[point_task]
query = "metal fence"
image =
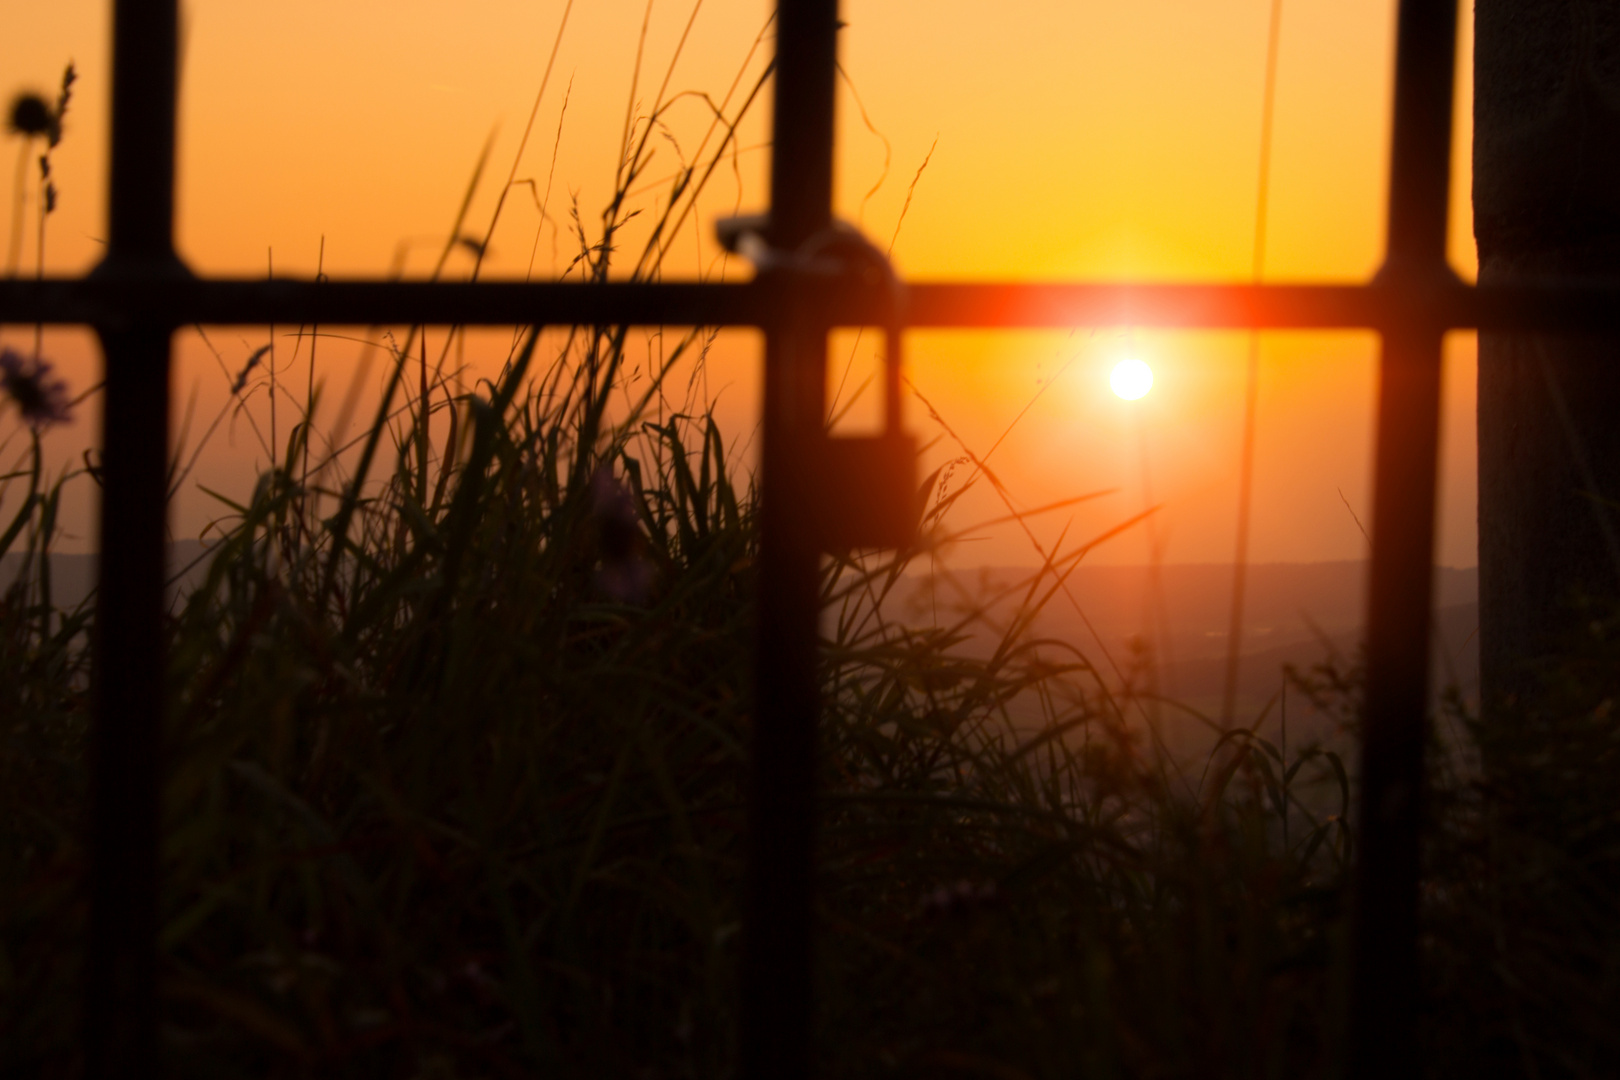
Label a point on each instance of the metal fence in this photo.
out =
(141, 292)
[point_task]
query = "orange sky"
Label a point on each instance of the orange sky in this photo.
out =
(1073, 140)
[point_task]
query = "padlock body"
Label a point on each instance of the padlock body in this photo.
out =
(866, 492)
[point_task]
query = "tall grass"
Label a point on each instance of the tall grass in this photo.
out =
(446, 797)
(456, 753)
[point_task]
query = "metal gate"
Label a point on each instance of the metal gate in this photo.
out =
(141, 292)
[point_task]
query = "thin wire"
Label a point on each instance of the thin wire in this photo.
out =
(1240, 567)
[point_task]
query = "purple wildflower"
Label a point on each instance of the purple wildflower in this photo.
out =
(40, 396)
(625, 575)
(960, 898)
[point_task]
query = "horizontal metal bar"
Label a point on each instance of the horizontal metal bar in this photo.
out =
(181, 302)
(1443, 304)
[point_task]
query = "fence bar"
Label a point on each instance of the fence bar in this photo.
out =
(1572, 307)
(120, 1033)
(777, 1008)
(121, 1015)
(140, 191)
(1386, 991)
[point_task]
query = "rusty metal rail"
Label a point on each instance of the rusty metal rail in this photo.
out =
(141, 293)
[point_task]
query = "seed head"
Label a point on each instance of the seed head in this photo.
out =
(62, 99)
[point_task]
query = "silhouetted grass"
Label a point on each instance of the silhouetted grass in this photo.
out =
(455, 784)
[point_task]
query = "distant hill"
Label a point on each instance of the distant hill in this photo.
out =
(74, 576)
(1294, 613)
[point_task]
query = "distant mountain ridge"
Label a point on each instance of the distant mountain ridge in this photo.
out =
(1293, 613)
(73, 576)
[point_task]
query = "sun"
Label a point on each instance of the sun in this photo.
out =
(1131, 379)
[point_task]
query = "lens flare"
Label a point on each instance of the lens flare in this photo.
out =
(1131, 379)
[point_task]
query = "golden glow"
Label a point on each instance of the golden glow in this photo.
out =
(343, 135)
(1132, 378)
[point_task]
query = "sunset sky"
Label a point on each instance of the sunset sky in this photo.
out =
(1070, 140)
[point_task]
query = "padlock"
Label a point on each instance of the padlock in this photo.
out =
(864, 488)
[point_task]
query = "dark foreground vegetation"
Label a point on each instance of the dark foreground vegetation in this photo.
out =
(455, 779)
(456, 757)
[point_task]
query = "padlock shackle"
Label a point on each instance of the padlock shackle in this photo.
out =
(840, 250)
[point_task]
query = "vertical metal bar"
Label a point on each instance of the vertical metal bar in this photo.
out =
(140, 201)
(1385, 994)
(777, 1000)
(120, 1034)
(1420, 152)
(121, 1013)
